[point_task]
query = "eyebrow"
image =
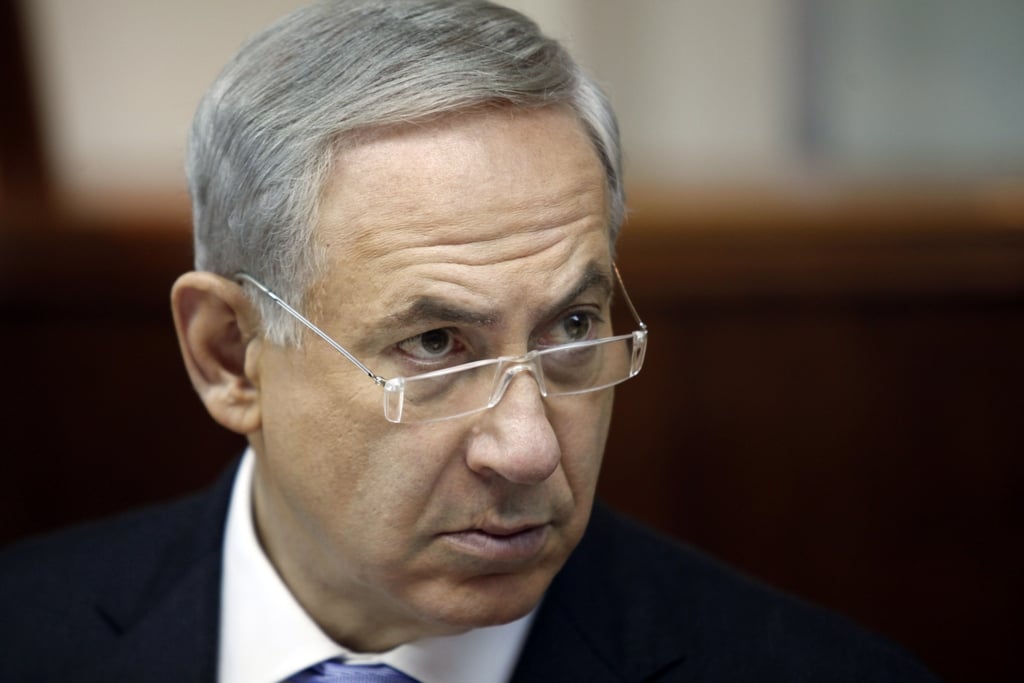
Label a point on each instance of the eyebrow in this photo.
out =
(429, 309)
(594, 277)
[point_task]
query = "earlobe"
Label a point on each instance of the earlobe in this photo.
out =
(216, 329)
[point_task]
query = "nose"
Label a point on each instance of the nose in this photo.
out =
(515, 440)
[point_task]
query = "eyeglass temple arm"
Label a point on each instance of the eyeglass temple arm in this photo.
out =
(625, 296)
(312, 328)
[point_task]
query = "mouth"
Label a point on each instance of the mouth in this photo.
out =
(500, 544)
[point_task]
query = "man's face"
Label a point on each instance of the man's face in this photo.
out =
(474, 237)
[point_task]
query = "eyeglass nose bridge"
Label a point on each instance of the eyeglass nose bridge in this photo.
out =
(509, 368)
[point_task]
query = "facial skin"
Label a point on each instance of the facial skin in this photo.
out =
(474, 229)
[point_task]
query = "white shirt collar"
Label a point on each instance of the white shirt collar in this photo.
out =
(266, 636)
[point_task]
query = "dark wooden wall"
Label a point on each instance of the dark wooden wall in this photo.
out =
(831, 401)
(835, 407)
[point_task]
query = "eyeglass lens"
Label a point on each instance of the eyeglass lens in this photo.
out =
(560, 371)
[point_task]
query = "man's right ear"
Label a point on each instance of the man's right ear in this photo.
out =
(216, 328)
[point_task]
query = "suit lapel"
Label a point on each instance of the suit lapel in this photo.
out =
(557, 650)
(600, 620)
(165, 609)
(176, 639)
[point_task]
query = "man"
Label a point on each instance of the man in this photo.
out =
(405, 219)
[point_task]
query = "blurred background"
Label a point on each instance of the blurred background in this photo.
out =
(826, 238)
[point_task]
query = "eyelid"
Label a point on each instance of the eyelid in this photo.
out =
(460, 349)
(596, 310)
(592, 311)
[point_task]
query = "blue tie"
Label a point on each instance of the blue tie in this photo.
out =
(335, 671)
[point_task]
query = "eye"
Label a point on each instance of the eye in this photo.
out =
(434, 345)
(577, 326)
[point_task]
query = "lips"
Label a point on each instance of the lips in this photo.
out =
(500, 544)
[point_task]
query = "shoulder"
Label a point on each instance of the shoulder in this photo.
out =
(68, 597)
(90, 553)
(721, 624)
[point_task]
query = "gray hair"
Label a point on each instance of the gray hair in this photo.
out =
(263, 139)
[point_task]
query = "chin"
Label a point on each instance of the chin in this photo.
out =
(492, 600)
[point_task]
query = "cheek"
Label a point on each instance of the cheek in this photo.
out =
(321, 439)
(582, 431)
(405, 470)
(385, 523)
(375, 481)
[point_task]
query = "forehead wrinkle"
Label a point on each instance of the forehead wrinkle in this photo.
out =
(418, 237)
(404, 221)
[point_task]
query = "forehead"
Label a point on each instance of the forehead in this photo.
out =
(463, 206)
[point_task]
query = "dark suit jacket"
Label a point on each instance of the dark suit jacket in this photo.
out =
(137, 599)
